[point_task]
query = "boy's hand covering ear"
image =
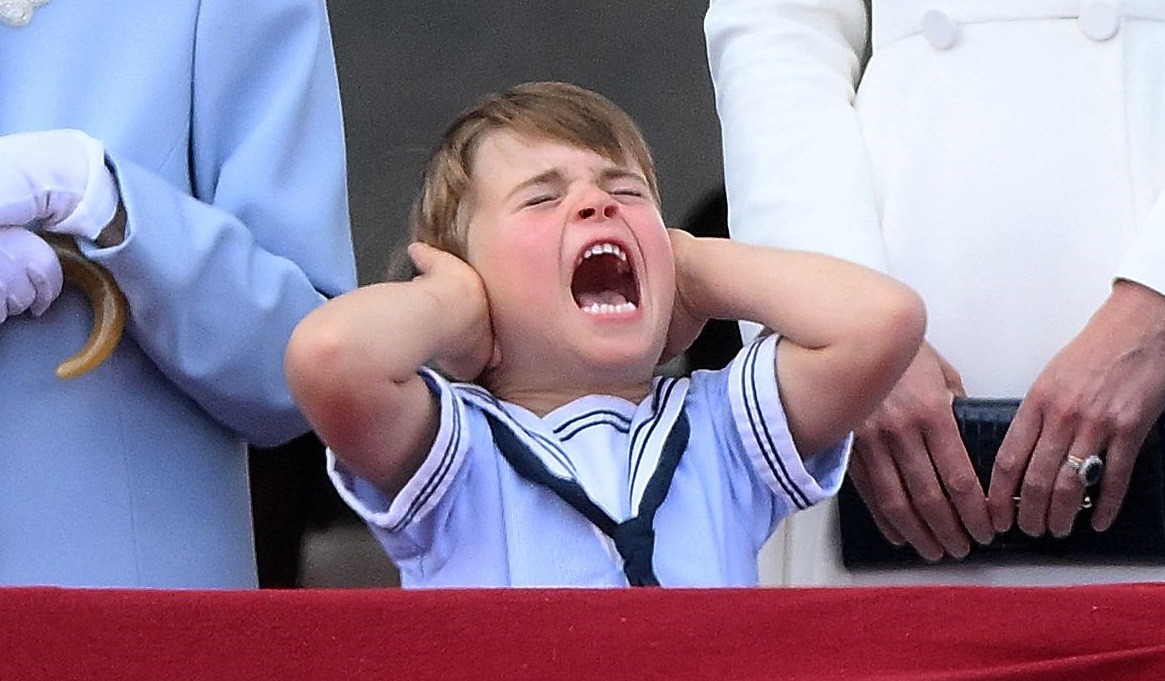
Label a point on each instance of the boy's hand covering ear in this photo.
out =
(30, 274)
(686, 320)
(56, 181)
(458, 290)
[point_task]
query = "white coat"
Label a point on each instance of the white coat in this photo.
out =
(1003, 157)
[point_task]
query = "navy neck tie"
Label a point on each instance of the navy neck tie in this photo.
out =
(635, 537)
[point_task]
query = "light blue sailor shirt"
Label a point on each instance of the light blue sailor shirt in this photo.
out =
(467, 519)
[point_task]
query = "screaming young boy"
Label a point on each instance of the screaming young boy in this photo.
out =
(496, 420)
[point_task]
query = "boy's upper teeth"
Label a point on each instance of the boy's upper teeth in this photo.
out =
(600, 249)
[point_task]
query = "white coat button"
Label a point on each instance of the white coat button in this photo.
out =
(940, 29)
(1099, 20)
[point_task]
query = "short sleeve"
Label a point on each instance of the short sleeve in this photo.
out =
(763, 429)
(405, 524)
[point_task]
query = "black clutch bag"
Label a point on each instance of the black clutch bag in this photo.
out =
(1138, 533)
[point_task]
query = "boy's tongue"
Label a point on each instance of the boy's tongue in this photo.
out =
(600, 297)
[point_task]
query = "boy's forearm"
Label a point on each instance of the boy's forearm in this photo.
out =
(352, 366)
(851, 330)
(389, 331)
(812, 300)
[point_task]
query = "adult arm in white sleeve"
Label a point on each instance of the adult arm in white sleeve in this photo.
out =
(798, 176)
(795, 167)
(1101, 393)
(1104, 390)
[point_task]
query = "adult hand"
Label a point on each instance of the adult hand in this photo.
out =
(30, 274)
(56, 180)
(911, 468)
(459, 289)
(1101, 392)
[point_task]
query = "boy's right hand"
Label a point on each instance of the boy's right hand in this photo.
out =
(459, 292)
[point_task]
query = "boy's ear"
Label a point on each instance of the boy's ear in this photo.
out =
(400, 265)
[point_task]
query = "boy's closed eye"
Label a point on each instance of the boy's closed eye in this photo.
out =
(539, 199)
(625, 185)
(630, 192)
(633, 192)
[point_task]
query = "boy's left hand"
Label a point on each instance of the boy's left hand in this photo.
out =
(686, 320)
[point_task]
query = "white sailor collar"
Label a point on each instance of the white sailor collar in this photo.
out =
(648, 424)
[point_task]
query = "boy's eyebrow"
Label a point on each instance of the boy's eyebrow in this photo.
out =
(617, 173)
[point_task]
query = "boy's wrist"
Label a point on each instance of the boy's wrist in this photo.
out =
(685, 255)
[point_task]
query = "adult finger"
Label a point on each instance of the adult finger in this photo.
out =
(951, 376)
(927, 496)
(887, 493)
(1068, 491)
(959, 479)
(860, 477)
(1118, 469)
(1010, 465)
(1035, 494)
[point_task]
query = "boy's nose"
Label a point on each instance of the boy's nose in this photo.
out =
(594, 207)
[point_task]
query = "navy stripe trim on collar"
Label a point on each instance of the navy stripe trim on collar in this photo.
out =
(547, 444)
(620, 424)
(592, 418)
(587, 414)
(663, 392)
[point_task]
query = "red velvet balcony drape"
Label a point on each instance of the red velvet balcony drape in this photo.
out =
(980, 633)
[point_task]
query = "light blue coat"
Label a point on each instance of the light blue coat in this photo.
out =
(222, 122)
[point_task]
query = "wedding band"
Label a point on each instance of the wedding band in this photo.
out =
(1085, 503)
(1088, 471)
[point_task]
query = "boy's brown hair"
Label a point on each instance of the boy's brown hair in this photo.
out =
(556, 111)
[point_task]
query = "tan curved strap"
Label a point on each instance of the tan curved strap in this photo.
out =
(106, 299)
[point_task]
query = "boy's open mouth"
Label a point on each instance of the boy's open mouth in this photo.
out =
(603, 281)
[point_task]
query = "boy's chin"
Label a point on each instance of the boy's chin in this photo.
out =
(607, 360)
(620, 362)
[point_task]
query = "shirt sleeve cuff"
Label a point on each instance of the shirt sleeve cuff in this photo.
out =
(764, 431)
(423, 492)
(1144, 261)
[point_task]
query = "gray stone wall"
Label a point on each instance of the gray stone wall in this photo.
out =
(407, 67)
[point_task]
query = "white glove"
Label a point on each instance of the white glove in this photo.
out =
(57, 181)
(30, 273)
